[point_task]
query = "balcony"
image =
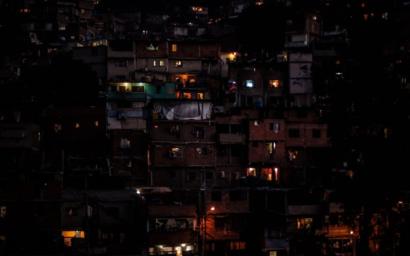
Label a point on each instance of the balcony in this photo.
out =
(125, 96)
(229, 138)
(338, 231)
(120, 54)
(313, 209)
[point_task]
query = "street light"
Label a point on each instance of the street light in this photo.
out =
(211, 209)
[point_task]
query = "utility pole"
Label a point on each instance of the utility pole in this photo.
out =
(86, 224)
(202, 206)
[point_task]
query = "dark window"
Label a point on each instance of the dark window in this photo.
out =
(236, 150)
(172, 174)
(222, 128)
(237, 195)
(41, 210)
(191, 176)
(220, 223)
(232, 98)
(275, 127)
(198, 132)
(175, 130)
(254, 144)
(316, 133)
(202, 151)
(221, 149)
(302, 113)
(121, 63)
(124, 104)
(294, 133)
(276, 201)
(72, 211)
(209, 175)
(235, 128)
(94, 51)
(137, 89)
(249, 101)
(220, 174)
(216, 196)
(112, 211)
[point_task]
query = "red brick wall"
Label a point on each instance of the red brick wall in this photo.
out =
(162, 131)
(189, 155)
(258, 153)
(142, 52)
(262, 130)
(306, 137)
(184, 50)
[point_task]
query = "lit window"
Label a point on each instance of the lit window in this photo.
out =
(57, 128)
(3, 211)
(191, 80)
(232, 56)
(274, 83)
(197, 8)
(276, 173)
(232, 86)
(152, 47)
(77, 125)
(125, 143)
(273, 253)
(175, 152)
(251, 171)
(178, 63)
(174, 48)
(249, 84)
(25, 10)
(96, 123)
(70, 234)
(237, 245)
(124, 87)
(200, 95)
(304, 223)
(266, 174)
(161, 63)
(256, 123)
(270, 148)
(187, 95)
(154, 63)
(293, 154)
